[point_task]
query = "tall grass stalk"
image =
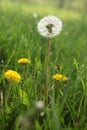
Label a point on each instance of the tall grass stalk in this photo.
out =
(1, 98)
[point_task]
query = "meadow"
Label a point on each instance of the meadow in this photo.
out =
(66, 108)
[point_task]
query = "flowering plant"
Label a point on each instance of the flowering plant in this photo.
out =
(12, 76)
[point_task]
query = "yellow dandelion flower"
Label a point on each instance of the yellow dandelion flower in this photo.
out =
(24, 61)
(60, 77)
(12, 76)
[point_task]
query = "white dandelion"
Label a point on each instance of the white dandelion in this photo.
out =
(40, 105)
(49, 26)
(35, 15)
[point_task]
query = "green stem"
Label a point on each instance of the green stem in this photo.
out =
(47, 71)
(8, 94)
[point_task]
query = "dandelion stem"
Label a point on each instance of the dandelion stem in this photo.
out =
(47, 71)
(8, 94)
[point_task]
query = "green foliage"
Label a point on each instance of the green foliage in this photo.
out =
(67, 104)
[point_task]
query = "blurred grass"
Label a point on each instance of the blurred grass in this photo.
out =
(46, 9)
(19, 38)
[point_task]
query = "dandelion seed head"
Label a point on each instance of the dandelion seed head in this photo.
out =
(35, 15)
(40, 105)
(42, 114)
(49, 26)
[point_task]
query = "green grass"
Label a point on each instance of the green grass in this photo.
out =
(19, 38)
(25, 8)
